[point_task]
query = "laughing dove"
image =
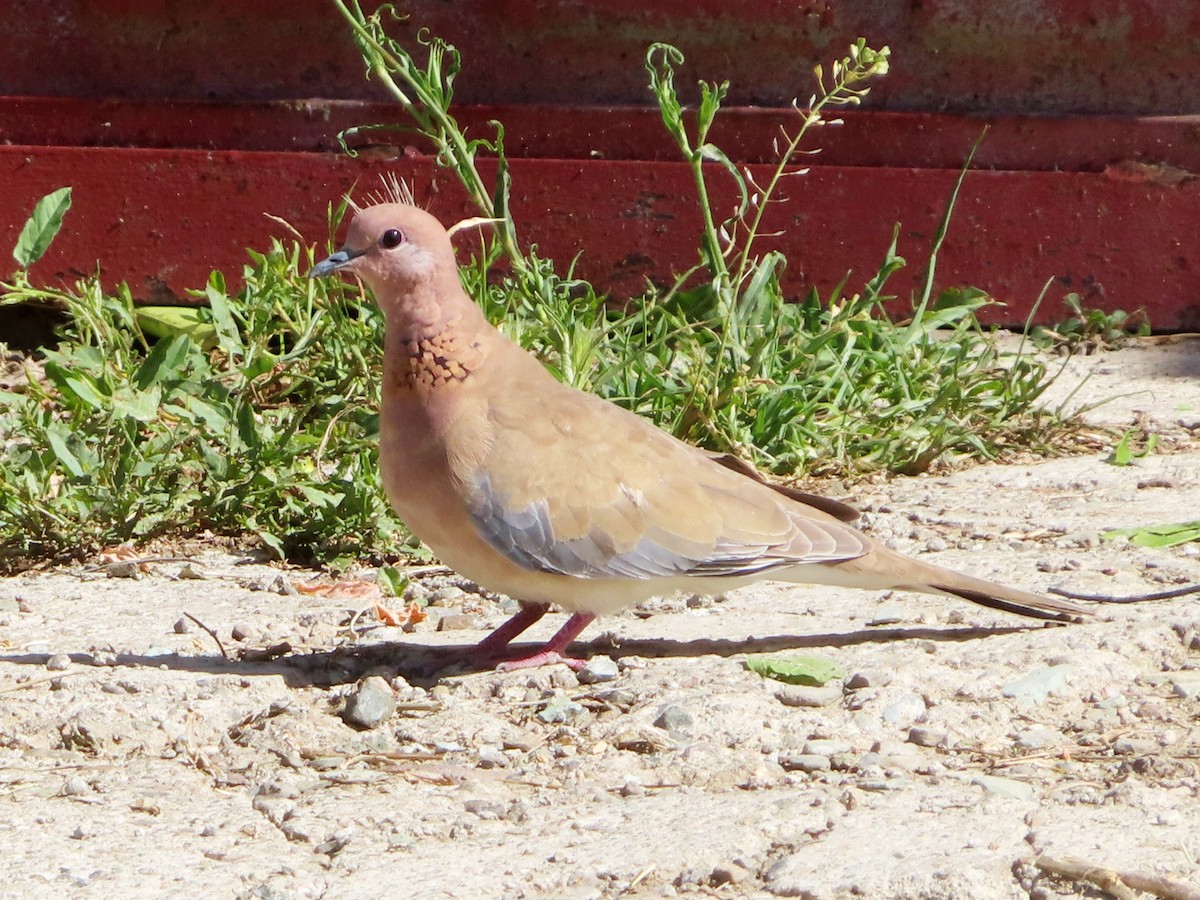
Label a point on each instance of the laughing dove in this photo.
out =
(554, 496)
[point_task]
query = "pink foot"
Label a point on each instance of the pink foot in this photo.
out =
(555, 650)
(544, 658)
(497, 642)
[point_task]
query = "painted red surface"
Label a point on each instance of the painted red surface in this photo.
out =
(1045, 57)
(181, 125)
(174, 215)
(865, 138)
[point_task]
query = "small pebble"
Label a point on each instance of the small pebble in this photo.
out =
(1035, 738)
(886, 617)
(491, 758)
(926, 737)
(371, 705)
(806, 762)
(1004, 787)
(240, 632)
(826, 747)
(728, 873)
(76, 786)
(447, 596)
(879, 785)
(326, 763)
(559, 710)
(1038, 684)
(676, 721)
(844, 762)
(59, 662)
(1169, 817)
(1186, 685)
(802, 695)
(1128, 746)
(868, 678)
(283, 585)
(182, 625)
(333, 845)
(598, 669)
(399, 840)
(632, 788)
(904, 710)
(455, 622)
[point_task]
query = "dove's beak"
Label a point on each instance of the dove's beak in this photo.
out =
(335, 261)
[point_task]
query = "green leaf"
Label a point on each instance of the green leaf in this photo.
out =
(164, 363)
(201, 412)
(228, 336)
(139, 405)
(318, 497)
(170, 321)
(42, 227)
(1158, 535)
(811, 670)
(261, 364)
(391, 582)
(1123, 454)
(274, 543)
(58, 438)
(75, 385)
(247, 427)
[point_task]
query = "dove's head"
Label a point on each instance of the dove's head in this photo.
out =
(397, 249)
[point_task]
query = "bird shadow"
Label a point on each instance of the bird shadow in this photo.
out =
(424, 665)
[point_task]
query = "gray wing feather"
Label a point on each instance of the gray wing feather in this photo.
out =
(526, 536)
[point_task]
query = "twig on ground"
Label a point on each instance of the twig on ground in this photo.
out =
(36, 681)
(354, 621)
(424, 571)
(265, 654)
(211, 633)
(1134, 598)
(638, 879)
(1122, 885)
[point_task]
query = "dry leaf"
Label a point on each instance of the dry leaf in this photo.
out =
(399, 618)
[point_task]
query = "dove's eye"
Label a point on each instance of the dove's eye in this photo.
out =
(393, 237)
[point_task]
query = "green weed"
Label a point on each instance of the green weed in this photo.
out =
(1087, 330)
(1158, 535)
(271, 431)
(1124, 454)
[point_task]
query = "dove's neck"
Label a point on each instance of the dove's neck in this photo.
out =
(435, 339)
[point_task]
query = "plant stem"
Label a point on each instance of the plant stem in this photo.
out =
(434, 122)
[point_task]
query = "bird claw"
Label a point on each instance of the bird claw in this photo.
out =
(544, 658)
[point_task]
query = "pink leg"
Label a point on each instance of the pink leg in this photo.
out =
(555, 649)
(494, 643)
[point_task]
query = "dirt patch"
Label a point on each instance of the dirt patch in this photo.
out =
(136, 760)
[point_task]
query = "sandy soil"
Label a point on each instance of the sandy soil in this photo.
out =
(136, 760)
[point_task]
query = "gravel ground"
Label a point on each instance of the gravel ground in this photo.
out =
(327, 756)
